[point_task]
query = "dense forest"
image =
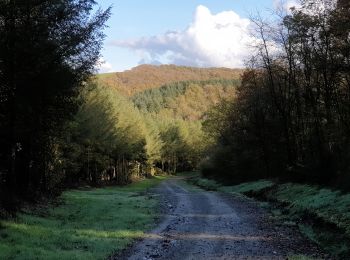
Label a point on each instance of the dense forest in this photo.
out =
(62, 126)
(286, 116)
(90, 162)
(47, 51)
(117, 138)
(290, 116)
(146, 76)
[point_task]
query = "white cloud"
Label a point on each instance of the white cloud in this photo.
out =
(211, 40)
(104, 66)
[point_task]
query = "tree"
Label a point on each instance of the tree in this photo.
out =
(291, 114)
(48, 49)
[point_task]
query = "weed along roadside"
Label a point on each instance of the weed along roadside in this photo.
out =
(321, 214)
(88, 224)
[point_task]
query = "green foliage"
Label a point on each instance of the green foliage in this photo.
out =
(245, 188)
(175, 111)
(327, 205)
(144, 77)
(48, 49)
(111, 138)
(330, 206)
(159, 132)
(154, 100)
(290, 115)
(109, 119)
(59, 127)
(183, 144)
(88, 224)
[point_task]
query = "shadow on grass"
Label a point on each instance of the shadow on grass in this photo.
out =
(88, 225)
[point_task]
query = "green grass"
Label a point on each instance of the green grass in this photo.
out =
(206, 184)
(248, 187)
(328, 210)
(243, 188)
(328, 205)
(89, 224)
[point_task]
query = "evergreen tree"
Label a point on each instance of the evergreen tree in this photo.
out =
(48, 49)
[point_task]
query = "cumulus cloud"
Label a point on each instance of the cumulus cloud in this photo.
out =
(211, 40)
(104, 66)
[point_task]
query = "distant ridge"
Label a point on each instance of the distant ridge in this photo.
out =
(145, 77)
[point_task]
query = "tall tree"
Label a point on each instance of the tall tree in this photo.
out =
(291, 114)
(47, 51)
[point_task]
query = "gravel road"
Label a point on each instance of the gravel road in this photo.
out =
(200, 224)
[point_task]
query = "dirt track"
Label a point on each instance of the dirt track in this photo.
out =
(199, 224)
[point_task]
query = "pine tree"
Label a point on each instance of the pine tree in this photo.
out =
(47, 50)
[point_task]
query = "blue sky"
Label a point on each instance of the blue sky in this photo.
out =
(156, 31)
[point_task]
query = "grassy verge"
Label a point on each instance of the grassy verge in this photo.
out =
(321, 214)
(89, 224)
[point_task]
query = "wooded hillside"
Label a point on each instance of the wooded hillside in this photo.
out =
(157, 129)
(149, 76)
(188, 100)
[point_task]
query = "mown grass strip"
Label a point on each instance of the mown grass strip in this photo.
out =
(89, 224)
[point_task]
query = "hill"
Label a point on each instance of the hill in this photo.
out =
(153, 114)
(187, 100)
(145, 77)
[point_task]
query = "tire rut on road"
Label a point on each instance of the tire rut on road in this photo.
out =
(199, 224)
